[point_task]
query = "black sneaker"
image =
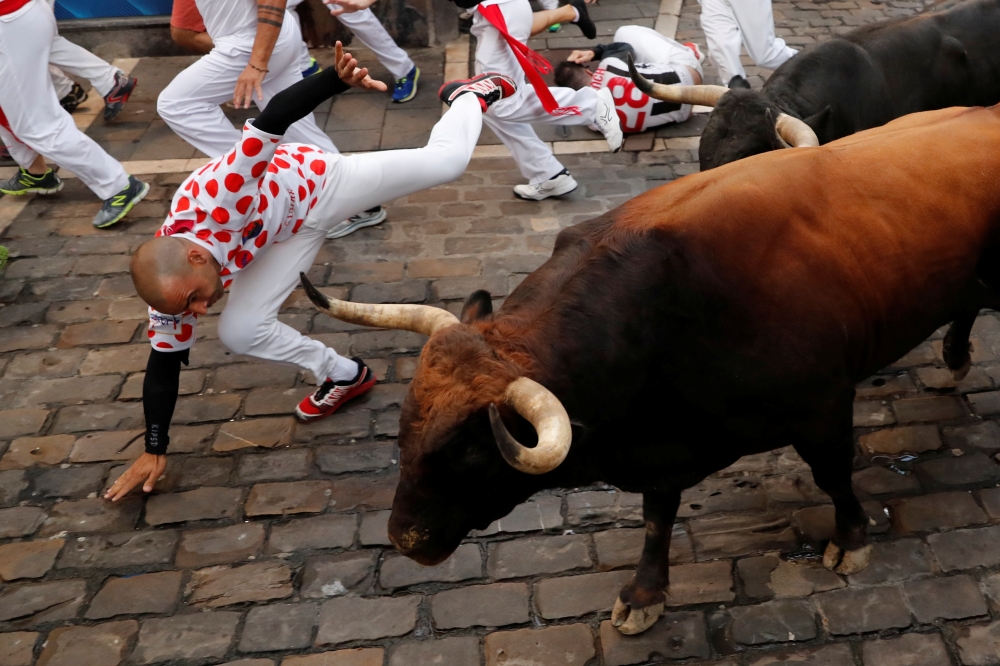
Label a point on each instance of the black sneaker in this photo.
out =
(489, 87)
(25, 183)
(115, 100)
(118, 206)
(76, 96)
(585, 24)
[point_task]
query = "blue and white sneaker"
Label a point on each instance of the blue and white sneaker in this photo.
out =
(406, 87)
(368, 218)
(313, 68)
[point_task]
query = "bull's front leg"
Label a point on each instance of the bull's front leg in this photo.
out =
(642, 600)
(956, 346)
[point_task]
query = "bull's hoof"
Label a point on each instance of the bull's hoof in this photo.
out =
(960, 373)
(630, 621)
(846, 563)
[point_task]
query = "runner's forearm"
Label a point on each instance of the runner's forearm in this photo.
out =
(270, 16)
(298, 101)
(159, 396)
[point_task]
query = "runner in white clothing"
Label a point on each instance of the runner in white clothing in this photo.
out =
(256, 54)
(657, 57)
(254, 219)
(730, 23)
(33, 124)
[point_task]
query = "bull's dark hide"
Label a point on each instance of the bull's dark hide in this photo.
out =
(866, 78)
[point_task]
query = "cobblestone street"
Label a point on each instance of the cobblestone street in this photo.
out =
(265, 544)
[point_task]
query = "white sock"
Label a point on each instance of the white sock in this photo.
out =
(344, 371)
(577, 12)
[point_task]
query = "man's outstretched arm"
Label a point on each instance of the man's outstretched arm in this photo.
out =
(159, 397)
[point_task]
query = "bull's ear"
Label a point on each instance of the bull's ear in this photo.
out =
(479, 305)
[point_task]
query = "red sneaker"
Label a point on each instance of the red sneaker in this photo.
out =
(329, 397)
(489, 87)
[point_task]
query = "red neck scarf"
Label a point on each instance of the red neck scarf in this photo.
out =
(533, 64)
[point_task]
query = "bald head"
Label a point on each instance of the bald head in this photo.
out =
(173, 275)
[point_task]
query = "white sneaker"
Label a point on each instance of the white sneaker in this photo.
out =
(369, 218)
(607, 120)
(563, 183)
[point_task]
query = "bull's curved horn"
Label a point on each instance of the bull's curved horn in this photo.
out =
(794, 132)
(678, 94)
(543, 410)
(417, 318)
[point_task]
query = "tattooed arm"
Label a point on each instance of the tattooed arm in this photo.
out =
(270, 16)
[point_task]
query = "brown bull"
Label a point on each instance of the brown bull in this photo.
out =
(752, 298)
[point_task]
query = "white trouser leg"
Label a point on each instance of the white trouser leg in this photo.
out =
(62, 83)
(366, 26)
(756, 21)
(80, 62)
(358, 182)
(304, 58)
(249, 324)
(190, 104)
(29, 101)
(533, 156)
(652, 47)
(548, 4)
(20, 153)
(722, 33)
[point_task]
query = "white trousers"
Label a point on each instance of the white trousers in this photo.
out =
(730, 23)
(367, 28)
(653, 48)
(73, 59)
(249, 323)
(509, 118)
(29, 101)
(190, 104)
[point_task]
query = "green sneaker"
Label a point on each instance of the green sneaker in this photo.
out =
(555, 27)
(118, 206)
(25, 183)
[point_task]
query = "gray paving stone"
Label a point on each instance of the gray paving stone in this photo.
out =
(354, 618)
(329, 531)
(855, 611)
(190, 636)
(951, 598)
(493, 605)
(145, 593)
(464, 564)
(907, 650)
(336, 575)
(774, 622)
(278, 627)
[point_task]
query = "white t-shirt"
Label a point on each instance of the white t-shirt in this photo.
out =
(237, 206)
(637, 111)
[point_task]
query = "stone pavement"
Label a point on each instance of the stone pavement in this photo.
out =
(265, 543)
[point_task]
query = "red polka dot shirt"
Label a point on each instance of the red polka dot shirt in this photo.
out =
(236, 206)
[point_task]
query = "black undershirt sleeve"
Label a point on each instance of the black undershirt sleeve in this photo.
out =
(613, 50)
(159, 396)
(297, 101)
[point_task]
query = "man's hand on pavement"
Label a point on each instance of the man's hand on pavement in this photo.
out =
(249, 81)
(351, 74)
(145, 470)
(348, 6)
(581, 57)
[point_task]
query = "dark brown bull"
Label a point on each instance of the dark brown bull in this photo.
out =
(725, 314)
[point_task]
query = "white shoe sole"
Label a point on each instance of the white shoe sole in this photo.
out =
(361, 224)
